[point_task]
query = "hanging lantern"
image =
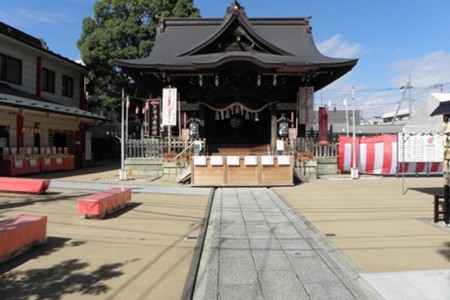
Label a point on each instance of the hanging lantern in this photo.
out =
(283, 129)
(256, 117)
(194, 129)
(137, 110)
(227, 114)
(236, 109)
(217, 117)
(221, 115)
(247, 115)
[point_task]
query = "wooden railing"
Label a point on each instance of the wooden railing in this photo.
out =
(155, 148)
(311, 145)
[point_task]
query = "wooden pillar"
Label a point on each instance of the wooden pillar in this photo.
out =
(273, 127)
(446, 204)
(79, 145)
(20, 121)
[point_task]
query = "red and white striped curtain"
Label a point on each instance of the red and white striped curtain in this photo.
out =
(378, 155)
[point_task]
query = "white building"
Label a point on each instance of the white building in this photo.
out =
(401, 117)
(42, 97)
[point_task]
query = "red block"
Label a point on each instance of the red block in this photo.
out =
(21, 231)
(103, 202)
(24, 185)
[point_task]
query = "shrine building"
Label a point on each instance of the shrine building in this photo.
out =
(239, 82)
(238, 75)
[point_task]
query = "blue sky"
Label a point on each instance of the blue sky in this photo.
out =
(392, 39)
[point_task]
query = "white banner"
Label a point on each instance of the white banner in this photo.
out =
(306, 109)
(169, 107)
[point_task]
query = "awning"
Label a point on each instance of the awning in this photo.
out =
(50, 107)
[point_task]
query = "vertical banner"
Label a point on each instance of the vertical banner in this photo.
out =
(293, 137)
(155, 117)
(323, 125)
(306, 109)
(169, 107)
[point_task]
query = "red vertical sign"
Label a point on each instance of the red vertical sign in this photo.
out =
(323, 126)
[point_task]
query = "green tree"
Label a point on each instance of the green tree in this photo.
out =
(122, 29)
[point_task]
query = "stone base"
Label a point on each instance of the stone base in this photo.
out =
(151, 167)
(307, 168)
(327, 166)
(172, 168)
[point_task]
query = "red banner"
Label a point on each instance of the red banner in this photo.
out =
(323, 126)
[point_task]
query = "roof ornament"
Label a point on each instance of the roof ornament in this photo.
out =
(235, 8)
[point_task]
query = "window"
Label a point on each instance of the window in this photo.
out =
(67, 86)
(48, 81)
(10, 69)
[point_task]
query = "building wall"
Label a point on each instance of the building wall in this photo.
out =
(29, 55)
(33, 60)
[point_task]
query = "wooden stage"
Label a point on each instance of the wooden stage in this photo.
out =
(237, 170)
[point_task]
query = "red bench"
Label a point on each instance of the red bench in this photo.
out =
(105, 202)
(21, 233)
(24, 185)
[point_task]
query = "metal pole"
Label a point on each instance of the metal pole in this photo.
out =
(346, 114)
(122, 173)
(126, 121)
(354, 171)
(403, 163)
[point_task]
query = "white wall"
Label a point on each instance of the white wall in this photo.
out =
(28, 55)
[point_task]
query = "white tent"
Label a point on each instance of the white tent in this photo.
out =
(422, 122)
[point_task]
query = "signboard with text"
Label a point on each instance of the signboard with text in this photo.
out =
(420, 148)
(169, 107)
(323, 126)
(306, 107)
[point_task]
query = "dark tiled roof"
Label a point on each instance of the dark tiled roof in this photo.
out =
(287, 44)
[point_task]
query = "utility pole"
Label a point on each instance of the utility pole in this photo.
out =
(346, 114)
(409, 97)
(405, 87)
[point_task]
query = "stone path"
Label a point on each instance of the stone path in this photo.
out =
(257, 247)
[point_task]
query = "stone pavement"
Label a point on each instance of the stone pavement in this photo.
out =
(260, 248)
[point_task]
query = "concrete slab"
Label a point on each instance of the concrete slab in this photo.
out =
(414, 285)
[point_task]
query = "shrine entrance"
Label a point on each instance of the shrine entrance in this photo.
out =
(239, 127)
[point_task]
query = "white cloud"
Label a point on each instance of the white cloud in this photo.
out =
(46, 17)
(336, 47)
(425, 71)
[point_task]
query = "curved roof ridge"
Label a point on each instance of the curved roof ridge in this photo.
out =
(235, 13)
